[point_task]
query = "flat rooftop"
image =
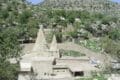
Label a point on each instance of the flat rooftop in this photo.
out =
(83, 67)
(75, 58)
(39, 58)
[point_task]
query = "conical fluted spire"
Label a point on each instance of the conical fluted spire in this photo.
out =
(40, 43)
(53, 46)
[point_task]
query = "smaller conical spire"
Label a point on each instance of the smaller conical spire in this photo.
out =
(53, 46)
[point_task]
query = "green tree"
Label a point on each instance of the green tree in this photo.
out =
(4, 13)
(111, 47)
(9, 45)
(9, 48)
(23, 18)
(8, 71)
(32, 27)
(115, 34)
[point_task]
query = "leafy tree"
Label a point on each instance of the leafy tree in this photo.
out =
(9, 48)
(108, 19)
(8, 71)
(4, 13)
(71, 16)
(9, 45)
(23, 18)
(59, 36)
(115, 34)
(32, 28)
(111, 47)
(73, 34)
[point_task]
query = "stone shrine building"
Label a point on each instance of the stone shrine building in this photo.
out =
(45, 63)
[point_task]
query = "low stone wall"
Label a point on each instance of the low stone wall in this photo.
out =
(58, 79)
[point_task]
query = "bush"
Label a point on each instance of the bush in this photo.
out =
(111, 47)
(8, 71)
(92, 45)
(115, 34)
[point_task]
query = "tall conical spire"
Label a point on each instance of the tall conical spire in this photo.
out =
(53, 46)
(40, 43)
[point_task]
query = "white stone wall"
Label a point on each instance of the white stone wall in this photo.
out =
(70, 61)
(42, 68)
(23, 77)
(62, 72)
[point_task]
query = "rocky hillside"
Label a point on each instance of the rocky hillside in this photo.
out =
(103, 6)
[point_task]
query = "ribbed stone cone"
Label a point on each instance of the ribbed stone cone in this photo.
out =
(53, 46)
(40, 44)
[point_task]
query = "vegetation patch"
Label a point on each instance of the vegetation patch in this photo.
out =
(92, 45)
(95, 76)
(71, 53)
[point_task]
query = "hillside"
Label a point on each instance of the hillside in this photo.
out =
(77, 24)
(102, 6)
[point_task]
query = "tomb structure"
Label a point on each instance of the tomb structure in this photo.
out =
(45, 63)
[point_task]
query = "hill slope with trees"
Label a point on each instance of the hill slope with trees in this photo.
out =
(101, 6)
(20, 21)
